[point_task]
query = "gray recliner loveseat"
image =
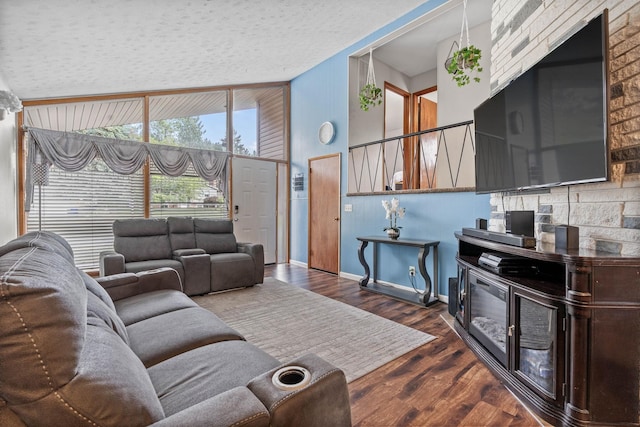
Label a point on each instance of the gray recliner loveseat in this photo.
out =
(204, 252)
(134, 350)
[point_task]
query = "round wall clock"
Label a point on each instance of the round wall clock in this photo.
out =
(326, 133)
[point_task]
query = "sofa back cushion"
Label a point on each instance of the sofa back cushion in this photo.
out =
(56, 358)
(100, 305)
(41, 239)
(215, 236)
(141, 239)
(181, 233)
(97, 289)
(98, 309)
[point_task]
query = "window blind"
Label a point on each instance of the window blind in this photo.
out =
(81, 206)
(186, 195)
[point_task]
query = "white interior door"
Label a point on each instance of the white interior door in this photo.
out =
(253, 195)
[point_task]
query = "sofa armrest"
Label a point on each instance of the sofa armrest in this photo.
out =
(186, 252)
(116, 280)
(125, 285)
(324, 401)
(257, 253)
(197, 272)
(111, 263)
(235, 407)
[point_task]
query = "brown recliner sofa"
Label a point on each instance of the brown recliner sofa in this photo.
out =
(204, 252)
(137, 351)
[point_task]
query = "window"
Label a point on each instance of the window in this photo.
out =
(195, 120)
(82, 206)
(186, 195)
(259, 122)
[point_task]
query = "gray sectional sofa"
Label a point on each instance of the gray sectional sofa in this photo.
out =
(204, 252)
(134, 350)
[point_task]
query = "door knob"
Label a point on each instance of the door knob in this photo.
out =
(336, 219)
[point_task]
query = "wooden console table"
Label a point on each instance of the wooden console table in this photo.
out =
(425, 299)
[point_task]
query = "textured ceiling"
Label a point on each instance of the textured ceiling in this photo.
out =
(56, 48)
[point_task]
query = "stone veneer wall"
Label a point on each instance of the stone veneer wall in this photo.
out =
(608, 214)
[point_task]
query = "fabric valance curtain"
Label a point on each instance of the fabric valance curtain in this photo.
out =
(72, 152)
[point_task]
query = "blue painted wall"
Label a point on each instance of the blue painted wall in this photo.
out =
(433, 216)
(320, 95)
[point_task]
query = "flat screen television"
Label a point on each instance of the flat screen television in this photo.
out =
(548, 127)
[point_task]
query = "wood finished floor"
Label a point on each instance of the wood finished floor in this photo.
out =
(439, 384)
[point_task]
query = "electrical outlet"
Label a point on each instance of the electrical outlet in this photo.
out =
(412, 270)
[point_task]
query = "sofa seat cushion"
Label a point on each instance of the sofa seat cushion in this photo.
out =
(152, 264)
(150, 304)
(229, 271)
(166, 335)
(199, 374)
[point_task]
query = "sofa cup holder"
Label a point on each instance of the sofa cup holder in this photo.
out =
(291, 378)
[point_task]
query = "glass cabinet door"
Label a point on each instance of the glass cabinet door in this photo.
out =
(487, 302)
(461, 295)
(536, 344)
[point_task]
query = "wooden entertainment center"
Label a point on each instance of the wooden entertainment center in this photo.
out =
(561, 329)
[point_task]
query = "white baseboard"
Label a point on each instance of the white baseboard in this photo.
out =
(356, 277)
(298, 263)
(350, 276)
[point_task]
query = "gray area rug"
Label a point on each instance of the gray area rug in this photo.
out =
(287, 321)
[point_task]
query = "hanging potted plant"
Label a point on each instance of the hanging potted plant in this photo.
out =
(370, 94)
(463, 61)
